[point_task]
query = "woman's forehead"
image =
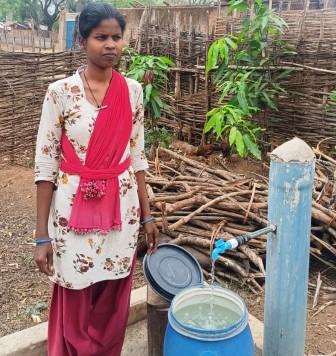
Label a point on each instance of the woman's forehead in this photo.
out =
(108, 26)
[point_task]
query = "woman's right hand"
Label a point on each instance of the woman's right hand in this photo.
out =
(43, 257)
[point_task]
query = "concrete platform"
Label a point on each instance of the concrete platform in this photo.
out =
(136, 338)
(32, 341)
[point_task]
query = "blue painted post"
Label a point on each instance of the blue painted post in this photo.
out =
(290, 200)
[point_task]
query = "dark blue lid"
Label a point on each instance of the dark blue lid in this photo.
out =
(171, 269)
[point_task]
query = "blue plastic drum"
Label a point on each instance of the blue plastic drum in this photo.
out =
(208, 321)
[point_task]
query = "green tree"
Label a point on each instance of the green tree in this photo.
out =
(11, 9)
(245, 75)
(45, 12)
(50, 10)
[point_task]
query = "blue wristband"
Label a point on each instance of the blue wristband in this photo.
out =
(148, 220)
(41, 242)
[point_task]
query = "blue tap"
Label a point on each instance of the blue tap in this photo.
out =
(221, 246)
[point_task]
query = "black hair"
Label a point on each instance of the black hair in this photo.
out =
(94, 13)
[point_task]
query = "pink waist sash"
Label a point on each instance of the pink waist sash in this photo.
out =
(95, 174)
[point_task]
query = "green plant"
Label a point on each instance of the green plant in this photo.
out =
(152, 72)
(246, 76)
(157, 136)
(35, 309)
(230, 121)
(128, 56)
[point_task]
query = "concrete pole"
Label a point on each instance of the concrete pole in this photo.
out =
(290, 201)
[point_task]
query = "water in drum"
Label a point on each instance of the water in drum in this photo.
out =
(207, 315)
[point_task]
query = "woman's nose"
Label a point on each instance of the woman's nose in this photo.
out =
(110, 43)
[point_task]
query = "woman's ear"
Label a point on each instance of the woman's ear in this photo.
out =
(82, 43)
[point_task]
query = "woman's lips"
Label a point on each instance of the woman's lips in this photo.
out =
(110, 56)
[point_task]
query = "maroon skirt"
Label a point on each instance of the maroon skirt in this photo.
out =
(90, 321)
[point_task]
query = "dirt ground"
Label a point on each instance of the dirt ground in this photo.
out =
(24, 293)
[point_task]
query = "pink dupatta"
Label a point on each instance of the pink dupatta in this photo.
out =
(96, 206)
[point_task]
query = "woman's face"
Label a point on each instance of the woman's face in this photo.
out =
(104, 44)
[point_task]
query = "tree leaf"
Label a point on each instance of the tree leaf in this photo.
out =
(239, 143)
(166, 61)
(243, 102)
(279, 22)
(232, 135)
(210, 124)
(268, 100)
(158, 101)
(218, 125)
(224, 52)
(219, 72)
(148, 91)
(212, 112)
(252, 146)
(239, 5)
(232, 44)
(264, 23)
(233, 112)
(210, 61)
(156, 109)
(225, 90)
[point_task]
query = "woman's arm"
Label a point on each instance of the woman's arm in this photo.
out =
(143, 196)
(151, 231)
(140, 164)
(43, 253)
(47, 160)
(44, 195)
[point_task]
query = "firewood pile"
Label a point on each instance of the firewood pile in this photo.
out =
(196, 203)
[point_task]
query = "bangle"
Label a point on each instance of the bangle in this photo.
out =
(147, 220)
(42, 241)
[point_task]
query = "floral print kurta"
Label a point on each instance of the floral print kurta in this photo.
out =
(81, 260)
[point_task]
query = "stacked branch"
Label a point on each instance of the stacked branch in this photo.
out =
(195, 204)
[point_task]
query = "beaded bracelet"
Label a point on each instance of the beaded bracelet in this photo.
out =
(42, 241)
(148, 220)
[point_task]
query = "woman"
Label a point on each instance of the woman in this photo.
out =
(91, 195)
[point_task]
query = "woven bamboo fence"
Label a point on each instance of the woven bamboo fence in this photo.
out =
(25, 76)
(24, 79)
(311, 33)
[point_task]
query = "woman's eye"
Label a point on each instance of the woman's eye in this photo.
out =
(117, 38)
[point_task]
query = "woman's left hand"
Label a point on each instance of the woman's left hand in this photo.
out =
(152, 237)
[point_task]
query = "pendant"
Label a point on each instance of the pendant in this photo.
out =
(101, 107)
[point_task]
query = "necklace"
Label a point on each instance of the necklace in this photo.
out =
(99, 107)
